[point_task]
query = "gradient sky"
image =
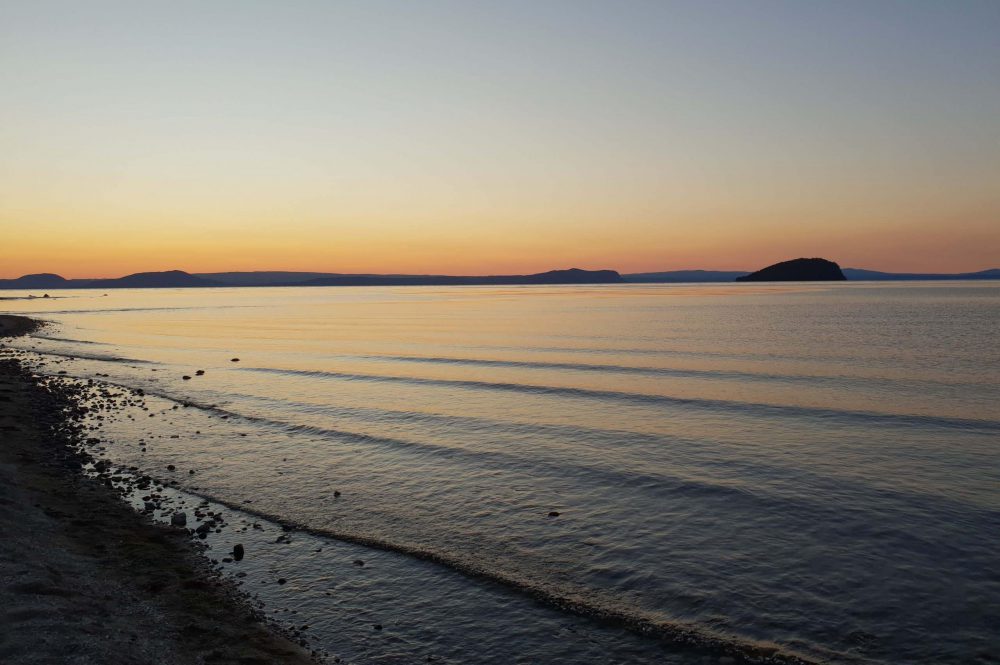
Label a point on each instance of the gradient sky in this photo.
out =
(486, 137)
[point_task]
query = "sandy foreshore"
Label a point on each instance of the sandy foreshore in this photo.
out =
(84, 579)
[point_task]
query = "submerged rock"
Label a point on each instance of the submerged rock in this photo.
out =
(179, 519)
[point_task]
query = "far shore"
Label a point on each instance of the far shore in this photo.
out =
(88, 580)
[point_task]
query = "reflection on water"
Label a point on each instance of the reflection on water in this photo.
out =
(808, 465)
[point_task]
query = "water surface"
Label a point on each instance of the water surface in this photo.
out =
(809, 466)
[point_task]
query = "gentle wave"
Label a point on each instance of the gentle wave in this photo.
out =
(755, 408)
(91, 356)
(811, 379)
(847, 361)
(143, 309)
(666, 484)
(72, 341)
(678, 634)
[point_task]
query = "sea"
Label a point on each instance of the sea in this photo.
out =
(676, 473)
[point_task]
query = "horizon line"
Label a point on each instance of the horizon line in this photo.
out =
(487, 274)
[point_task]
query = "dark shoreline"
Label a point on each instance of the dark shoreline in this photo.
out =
(83, 576)
(15, 326)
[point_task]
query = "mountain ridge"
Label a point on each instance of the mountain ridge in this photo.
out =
(182, 279)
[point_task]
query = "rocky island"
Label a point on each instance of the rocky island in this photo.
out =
(797, 270)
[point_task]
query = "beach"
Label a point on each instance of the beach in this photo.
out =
(83, 577)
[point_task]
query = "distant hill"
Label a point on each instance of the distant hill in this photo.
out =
(876, 275)
(686, 276)
(141, 280)
(571, 276)
(261, 278)
(40, 281)
(151, 280)
(181, 279)
(797, 270)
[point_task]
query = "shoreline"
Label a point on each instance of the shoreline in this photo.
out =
(83, 576)
(14, 326)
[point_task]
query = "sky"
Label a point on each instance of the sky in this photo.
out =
(470, 137)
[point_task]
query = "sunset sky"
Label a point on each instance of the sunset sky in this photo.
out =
(489, 137)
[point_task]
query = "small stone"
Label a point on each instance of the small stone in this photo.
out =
(235, 360)
(359, 562)
(238, 552)
(150, 506)
(281, 580)
(186, 377)
(554, 513)
(171, 467)
(178, 519)
(200, 372)
(377, 626)
(336, 493)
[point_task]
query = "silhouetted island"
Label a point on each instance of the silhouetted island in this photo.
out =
(571, 276)
(797, 270)
(139, 280)
(43, 280)
(860, 274)
(684, 276)
(154, 280)
(181, 279)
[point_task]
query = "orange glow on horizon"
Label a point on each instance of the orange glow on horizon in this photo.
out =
(340, 137)
(81, 252)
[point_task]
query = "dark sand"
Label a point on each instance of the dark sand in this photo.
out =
(11, 326)
(84, 579)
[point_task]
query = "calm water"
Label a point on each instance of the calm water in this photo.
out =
(808, 466)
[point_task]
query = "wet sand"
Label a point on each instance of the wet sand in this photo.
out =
(84, 578)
